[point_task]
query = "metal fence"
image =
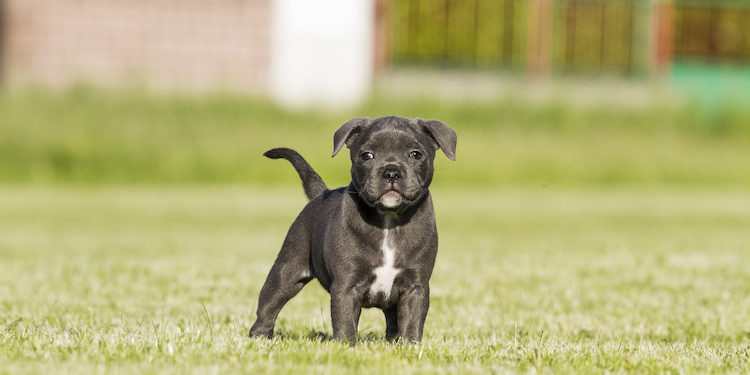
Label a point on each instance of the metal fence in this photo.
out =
(626, 37)
(712, 31)
(460, 32)
(599, 36)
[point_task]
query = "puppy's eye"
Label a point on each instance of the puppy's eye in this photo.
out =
(415, 155)
(366, 156)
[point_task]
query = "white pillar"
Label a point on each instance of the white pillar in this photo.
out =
(321, 51)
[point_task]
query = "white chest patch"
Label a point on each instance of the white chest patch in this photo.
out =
(385, 274)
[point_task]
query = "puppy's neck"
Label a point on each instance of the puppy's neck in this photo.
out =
(389, 218)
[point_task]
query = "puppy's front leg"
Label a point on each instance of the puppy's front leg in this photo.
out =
(345, 311)
(412, 312)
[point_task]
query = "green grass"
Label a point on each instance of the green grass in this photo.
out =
(165, 280)
(136, 231)
(85, 136)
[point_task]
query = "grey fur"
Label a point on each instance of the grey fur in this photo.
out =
(338, 237)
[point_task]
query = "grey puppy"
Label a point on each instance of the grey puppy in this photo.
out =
(372, 243)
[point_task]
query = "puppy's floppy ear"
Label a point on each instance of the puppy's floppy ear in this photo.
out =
(444, 136)
(348, 132)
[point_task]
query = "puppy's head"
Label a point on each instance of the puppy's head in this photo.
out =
(392, 157)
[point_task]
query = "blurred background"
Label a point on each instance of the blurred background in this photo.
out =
(541, 92)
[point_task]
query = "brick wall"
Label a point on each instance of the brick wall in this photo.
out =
(166, 44)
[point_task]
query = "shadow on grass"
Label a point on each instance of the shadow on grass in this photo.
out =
(321, 336)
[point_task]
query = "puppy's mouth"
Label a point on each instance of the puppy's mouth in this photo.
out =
(388, 196)
(391, 199)
(394, 198)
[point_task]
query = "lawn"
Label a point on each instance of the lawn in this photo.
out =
(136, 230)
(165, 279)
(85, 136)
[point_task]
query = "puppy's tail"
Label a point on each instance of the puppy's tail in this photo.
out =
(311, 181)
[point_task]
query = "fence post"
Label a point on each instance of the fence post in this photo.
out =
(539, 37)
(2, 41)
(383, 34)
(661, 37)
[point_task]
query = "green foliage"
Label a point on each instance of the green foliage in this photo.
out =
(165, 280)
(89, 136)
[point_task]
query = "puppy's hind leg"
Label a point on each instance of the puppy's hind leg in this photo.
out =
(290, 272)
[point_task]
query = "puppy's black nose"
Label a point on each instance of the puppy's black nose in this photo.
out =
(391, 175)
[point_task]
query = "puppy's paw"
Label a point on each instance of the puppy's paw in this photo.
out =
(255, 333)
